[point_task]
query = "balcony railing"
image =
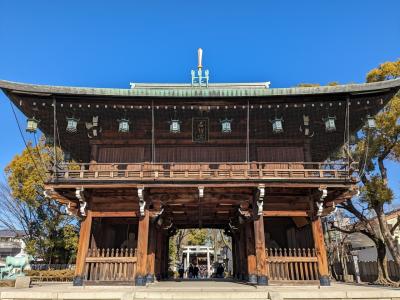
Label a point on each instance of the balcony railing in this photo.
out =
(202, 171)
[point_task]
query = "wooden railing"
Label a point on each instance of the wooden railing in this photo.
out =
(203, 171)
(292, 264)
(110, 265)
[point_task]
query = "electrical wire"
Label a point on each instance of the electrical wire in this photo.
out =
(365, 155)
(26, 144)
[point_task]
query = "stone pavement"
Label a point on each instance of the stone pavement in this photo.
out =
(201, 290)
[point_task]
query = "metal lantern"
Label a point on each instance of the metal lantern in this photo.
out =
(67, 156)
(72, 125)
(226, 126)
(175, 126)
(49, 141)
(330, 125)
(371, 122)
(32, 125)
(277, 125)
(123, 125)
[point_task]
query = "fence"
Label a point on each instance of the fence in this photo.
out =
(45, 267)
(292, 264)
(110, 265)
(368, 270)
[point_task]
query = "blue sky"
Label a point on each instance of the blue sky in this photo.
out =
(110, 43)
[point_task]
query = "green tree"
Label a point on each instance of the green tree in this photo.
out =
(197, 237)
(373, 150)
(51, 235)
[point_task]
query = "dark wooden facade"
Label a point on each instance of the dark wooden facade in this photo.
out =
(268, 191)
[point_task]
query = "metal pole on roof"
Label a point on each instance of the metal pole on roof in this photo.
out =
(248, 133)
(55, 137)
(153, 149)
(347, 128)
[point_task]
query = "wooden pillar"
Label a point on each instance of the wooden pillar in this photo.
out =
(151, 256)
(159, 253)
(234, 255)
(143, 239)
(251, 253)
(93, 153)
(320, 249)
(83, 246)
(166, 255)
(261, 258)
(238, 256)
(242, 253)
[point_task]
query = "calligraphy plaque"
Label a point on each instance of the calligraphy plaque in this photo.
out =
(200, 127)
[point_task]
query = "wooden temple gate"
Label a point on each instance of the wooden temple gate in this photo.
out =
(140, 163)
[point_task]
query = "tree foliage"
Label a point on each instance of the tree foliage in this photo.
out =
(51, 235)
(373, 149)
(385, 71)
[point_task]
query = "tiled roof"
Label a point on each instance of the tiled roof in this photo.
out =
(185, 90)
(10, 233)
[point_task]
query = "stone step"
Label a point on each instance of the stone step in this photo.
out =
(193, 294)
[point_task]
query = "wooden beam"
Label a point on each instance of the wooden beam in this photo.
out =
(83, 246)
(286, 213)
(143, 239)
(227, 184)
(320, 249)
(259, 237)
(111, 214)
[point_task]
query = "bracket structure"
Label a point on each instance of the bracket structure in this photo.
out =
(68, 209)
(260, 199)
(320, 202)
(82, 201)
(201, 191)
(142, 202)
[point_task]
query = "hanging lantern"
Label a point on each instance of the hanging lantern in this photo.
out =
(330, 125)
(277, 125)
(67, 156)
(123, 125)
(72, 125)
(175, 126)
(49, 141)
(226, 125)
(371, 122)
(32, 125)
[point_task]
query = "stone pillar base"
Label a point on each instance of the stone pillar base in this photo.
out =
(262, 280)
(78, 281)
(150, 278)
(324, 281)
(140, 280)
(252, 279)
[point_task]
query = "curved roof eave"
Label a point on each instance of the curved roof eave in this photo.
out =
(185, 90)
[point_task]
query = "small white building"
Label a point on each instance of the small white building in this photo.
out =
(11, 243)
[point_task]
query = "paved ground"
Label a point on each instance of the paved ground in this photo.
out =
(201, 290)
